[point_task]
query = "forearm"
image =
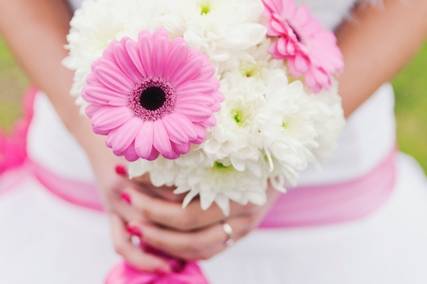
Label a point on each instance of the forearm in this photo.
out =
(376, 43)
(36, 33)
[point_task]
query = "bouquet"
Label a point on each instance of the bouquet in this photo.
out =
(219, 98)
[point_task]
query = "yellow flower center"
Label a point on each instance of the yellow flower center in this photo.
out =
(285, 124)
(250, 71)
(218, 166)
(238, 116)
(205, 7)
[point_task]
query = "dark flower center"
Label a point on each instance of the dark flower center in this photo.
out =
(152, 98)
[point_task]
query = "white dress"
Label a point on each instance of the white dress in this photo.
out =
(45, 240)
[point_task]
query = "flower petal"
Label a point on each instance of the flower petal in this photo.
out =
(160, 53)
(108, 75)
(206, 199)
(130, 153)
(189, 197)
(134, 56)
(201, 134)
(190, 71)
(121, 138)
(176, 133)
(196, 100)
(144, 140)
(106, 119)
(181, 148)
(194, 113)
(203, 87)
(162, 141)
(154, 155)
(177, 58)
(104, 96)
(186, 125)
(145, 51)
(125, 63)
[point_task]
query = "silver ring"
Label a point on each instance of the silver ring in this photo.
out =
(228, 230)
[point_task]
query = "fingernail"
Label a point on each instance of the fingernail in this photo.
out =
(162, 271)
(134, 230)
(126, 198)
(177, 265)
(121, 170)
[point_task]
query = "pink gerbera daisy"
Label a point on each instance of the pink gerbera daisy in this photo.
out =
(310, 49)
(150, 97)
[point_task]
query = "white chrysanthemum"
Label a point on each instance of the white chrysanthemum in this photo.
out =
(329, 120)
(236, 131)
(288, 131)
(223, 28)
(212, 181)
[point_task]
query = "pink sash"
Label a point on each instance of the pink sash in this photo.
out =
(304, 206)
(335, 203)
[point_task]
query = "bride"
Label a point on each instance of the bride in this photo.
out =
(361, 219)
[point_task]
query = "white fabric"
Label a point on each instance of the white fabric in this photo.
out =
(44, 240)
(47, 241)
(53, 147)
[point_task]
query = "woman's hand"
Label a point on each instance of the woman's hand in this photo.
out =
(113, 182)
(190, 233)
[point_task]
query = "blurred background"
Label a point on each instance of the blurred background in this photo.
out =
(410, 86)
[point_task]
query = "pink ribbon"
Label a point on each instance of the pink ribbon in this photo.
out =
(13, 148)
(124, 274)
(13, 152)
(335, 203)
(183, 272)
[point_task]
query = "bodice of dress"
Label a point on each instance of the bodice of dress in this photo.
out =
(366, 140)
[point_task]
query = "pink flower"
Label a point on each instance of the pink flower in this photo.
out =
(152, 96)
(310, 50)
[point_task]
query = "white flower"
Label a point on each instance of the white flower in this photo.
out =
(213, 181)
(329, 120)
(235, 134)
(223, 28)
(288, 131)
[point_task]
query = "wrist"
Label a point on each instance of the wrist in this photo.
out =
(101, 158)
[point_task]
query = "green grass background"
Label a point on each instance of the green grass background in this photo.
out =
(410, 86)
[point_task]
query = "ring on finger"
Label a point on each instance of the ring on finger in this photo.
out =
(228, 230)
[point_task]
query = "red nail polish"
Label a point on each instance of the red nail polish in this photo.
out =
(126, 198)
(135, 231)
(162, 272)
(121, 170)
